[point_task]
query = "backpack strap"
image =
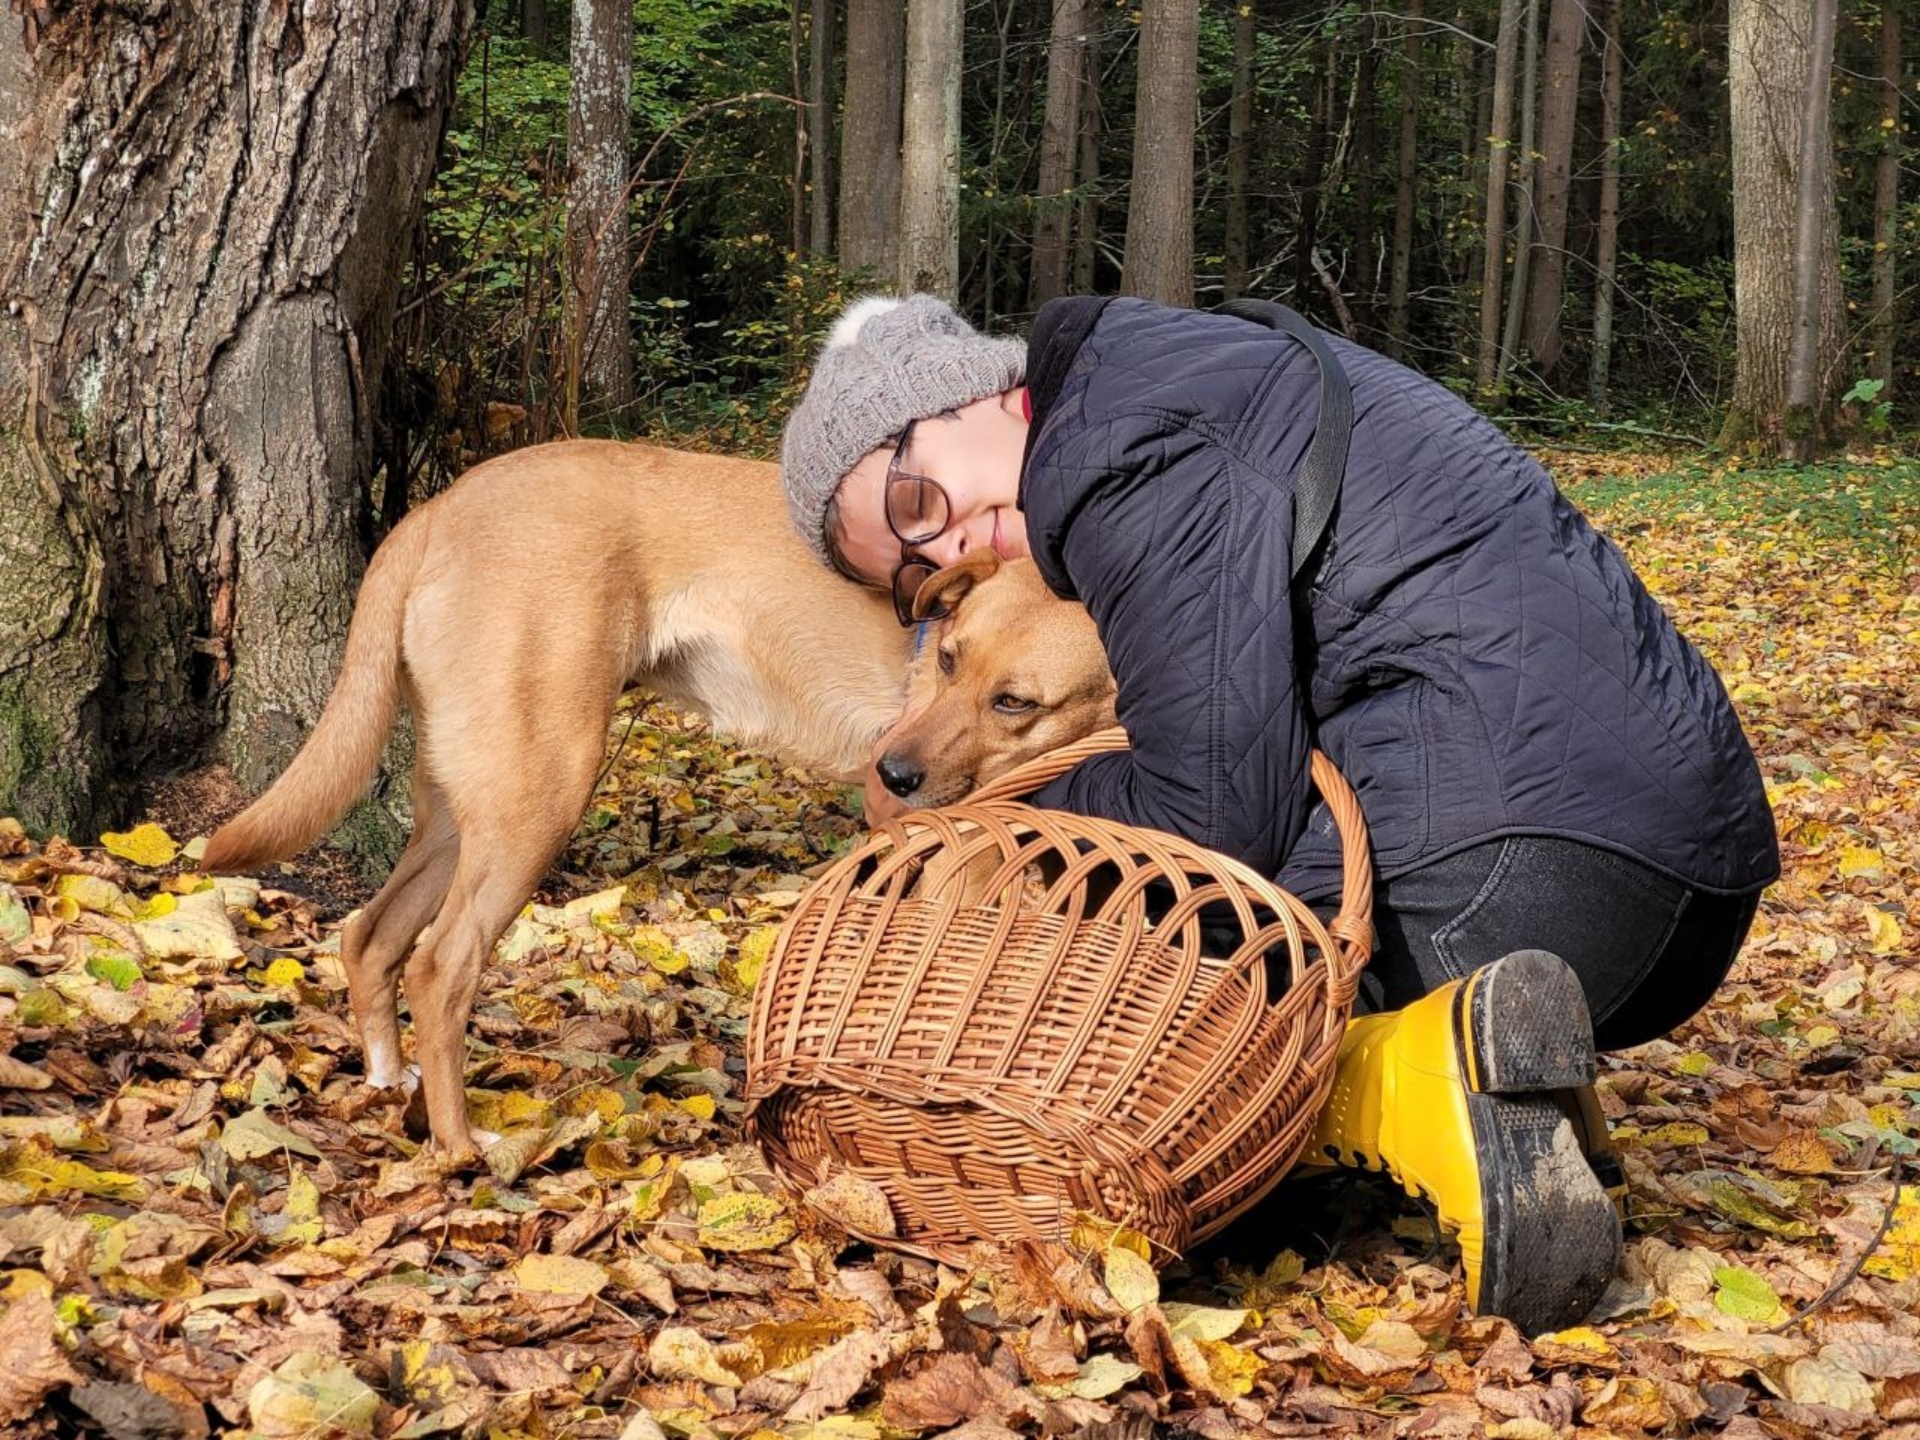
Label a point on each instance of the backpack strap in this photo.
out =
(1316, 488)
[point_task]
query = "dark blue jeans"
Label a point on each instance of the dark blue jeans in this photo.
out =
(1649, 951)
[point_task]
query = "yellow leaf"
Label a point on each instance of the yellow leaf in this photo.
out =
(285, 972)
(1101, 1375)
(1861, 860)
(1216, 1368)
(302, 1209)
(560, 1275)
(146, 845)
(1884, 934)
(1675, 1132)
(738, 1223)
(680, 1352)
(1203, 1322)
(1130, 1280)
(701, 1107)
(1898, 1255)
(1802, 1152)
(90, 892)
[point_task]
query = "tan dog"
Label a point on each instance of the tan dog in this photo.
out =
(509, 613)
(1015, 672)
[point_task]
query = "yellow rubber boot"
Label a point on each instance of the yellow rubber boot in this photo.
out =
(1452, 1097)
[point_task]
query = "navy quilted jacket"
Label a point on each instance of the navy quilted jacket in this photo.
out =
(1476, 659)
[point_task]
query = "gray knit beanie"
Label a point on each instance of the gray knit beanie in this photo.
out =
(886, 362)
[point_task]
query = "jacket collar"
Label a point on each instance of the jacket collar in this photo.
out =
(1055, 339)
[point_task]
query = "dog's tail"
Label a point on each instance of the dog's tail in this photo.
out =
(338, 761)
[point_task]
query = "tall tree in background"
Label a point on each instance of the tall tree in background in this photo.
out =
(1559, 108)
(1086, 224)
(1768, 42)
(1493, 236)
(1406, 157)
(820, 128)
(1313, 166)
(1234, 267)
(1606, 236)
(1059, 149)
(930, 150)
(1159, 253)
(1813, 282)
(1365, 160)
(870, 136)
(204, 212)
(533, 23)
(1525, 217)
(599, 247)
(1886, 203)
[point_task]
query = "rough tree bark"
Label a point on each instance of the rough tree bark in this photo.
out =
(1607, 228)
(1813, 208)
(1400, 277)
(1159, 256)
(1234, 267)
(870, 137)
(1493, 234)
(1559, 108)
(930, 150)
(820, 128)
(1768, 45)
(1086, 223)
(203, 212)
(1886, 203)
(1059, 147)
(599, 138)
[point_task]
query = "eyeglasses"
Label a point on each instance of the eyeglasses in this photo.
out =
(917, 511)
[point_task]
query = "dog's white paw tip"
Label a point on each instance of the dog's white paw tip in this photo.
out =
(486, 1139)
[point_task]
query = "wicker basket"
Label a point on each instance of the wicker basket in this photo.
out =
(998, 1053)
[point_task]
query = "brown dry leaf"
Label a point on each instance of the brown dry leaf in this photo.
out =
(1827, 1382)
(838, 1374)
(1802, 1152)
(854, 1203)
(19, 1075)
(310, 1394)
(1628, 1402)
(679, 1352)
(953, 1389)
(35, 1364)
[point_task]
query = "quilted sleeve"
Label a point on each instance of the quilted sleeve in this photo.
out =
(1180, 552)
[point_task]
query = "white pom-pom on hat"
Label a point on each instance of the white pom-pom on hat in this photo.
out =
(847, 328)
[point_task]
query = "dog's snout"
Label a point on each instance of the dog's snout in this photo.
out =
(900, 775)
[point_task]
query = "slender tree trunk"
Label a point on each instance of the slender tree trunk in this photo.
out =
(1234, 268)
(1366, 160)
(820, 129)
(1059, 148)
(1399, 284)
(533, 24)
(870, 137)
(599, 128)
(1813, 203)
(1494, 232)
(1559, 110)
(1768, 46)
(1086, 223)
(1524, 217)
(1312, 171)
(796, 82)
(930, 151)
(1159, 253)
(1607, 230)
(219, 203)
(1886, 203)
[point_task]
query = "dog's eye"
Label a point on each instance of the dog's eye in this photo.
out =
(947, 661)
(1010, 704)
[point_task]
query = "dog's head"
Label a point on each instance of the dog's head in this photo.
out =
(1014, 671)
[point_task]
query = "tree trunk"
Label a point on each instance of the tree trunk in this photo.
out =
(1886, 204)
(599, 132)
(1524, 217)
(218, 201)
(1768, 45)
(1159, 254)
(1607, 230)
(1312, 171)
(1059, 146)
(533, 24)
(1399, 283)
(1493, 234)
(1813, 206)
(870, 137)
(1366, 159)
(1086, 224)
(820, 129)
(930, 151)
(1559, 109)
(1234, 268)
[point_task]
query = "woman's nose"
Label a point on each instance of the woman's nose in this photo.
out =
(948, 546)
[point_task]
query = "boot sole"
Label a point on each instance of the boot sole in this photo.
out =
(1552, 1234)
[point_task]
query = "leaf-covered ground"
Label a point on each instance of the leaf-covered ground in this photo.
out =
(207, 1226)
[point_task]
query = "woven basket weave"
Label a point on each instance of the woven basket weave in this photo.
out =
(998, 1053)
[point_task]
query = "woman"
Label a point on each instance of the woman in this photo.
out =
(1567, 821)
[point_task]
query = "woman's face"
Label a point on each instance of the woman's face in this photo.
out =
(973, 455)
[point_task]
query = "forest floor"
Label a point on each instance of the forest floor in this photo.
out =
(205, 1226)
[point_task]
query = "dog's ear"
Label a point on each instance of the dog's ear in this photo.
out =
(952, 584)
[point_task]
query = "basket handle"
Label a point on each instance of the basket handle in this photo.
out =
(1352, 925)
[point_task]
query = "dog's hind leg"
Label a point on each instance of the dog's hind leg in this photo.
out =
(374, 948)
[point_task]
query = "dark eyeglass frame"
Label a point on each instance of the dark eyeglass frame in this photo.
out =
(914, 570)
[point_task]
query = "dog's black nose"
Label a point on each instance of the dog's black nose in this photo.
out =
(901, 776)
